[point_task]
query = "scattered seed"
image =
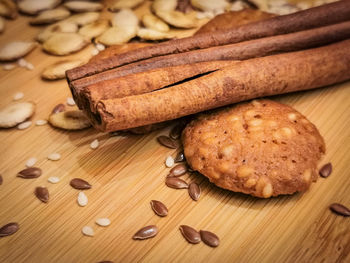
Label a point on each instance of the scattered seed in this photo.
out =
(167, 142)
(24, 125)
(178, 170)
(190, 234)
(159, 208)
(103, 221)
(180, 157)
(176, 131)
(18, 96)
(8, 66)
(146, 232)
(42, 194)
(30, 173)
(53, 179)
(80, 184)
(1, 180)
(94, 51)
(22, 62)
(82, 199)
(100, 47)
(209, 238)
(176, 183)
(326, 170)
(70, 101)
(54, 156)
(169, 162)
(40, 122)
(194, 191)
(94, 144)
(31, 162)
(9, 229)
(29, 66)
(88, 231)
(340, 209)
(58, 108)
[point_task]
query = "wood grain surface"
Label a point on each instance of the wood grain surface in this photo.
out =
(127, 172)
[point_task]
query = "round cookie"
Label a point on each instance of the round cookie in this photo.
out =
(262, 148)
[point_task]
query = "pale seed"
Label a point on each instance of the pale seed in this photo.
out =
(18, 96)
(24, 125)
(94, 144)
(82, 199)
(169, 162)
(40, 122)
(103, 221)
(70, 101)
(88, 231)
(53, 179)
(31, 162)
(54, 156)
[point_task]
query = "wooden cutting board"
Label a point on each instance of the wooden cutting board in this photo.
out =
(128, 172)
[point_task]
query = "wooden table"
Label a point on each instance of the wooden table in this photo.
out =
(128, 172)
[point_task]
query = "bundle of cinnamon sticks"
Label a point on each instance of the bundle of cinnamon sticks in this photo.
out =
(157, 83)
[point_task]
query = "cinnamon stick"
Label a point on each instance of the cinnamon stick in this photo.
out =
(314, 17)
(258, 77)
(240, 51)
(144, 82)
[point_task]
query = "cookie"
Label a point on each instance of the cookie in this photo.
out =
(262, 148)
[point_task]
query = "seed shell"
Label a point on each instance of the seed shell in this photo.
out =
(190, 234)
(178, 170)
(326, 170)
(209, 238)
(80, 184)
(146, 232)
(159, 208)
(30, 173)
(340, 209)
(194, 191)
(176, 183)
(9, 229)
(42, 194)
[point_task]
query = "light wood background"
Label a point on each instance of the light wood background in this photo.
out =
(128, 172)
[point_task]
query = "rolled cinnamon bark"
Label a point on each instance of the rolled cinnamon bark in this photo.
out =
(310, 18)
(144, 82)
(266, 76)
(240, 51)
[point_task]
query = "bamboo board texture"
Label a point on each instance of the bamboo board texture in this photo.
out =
(128, 172)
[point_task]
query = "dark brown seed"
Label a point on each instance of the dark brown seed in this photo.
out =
(58, 108)
(176, 131)
(30, 173)
(180, 157)
(167, 142)
(178, 170)
(80, 184)
(209, 238)
(1, 180)
(159, 208)
(9, 229)
(190, 234)
(340, 209)
(326, 170)
(176, 183)
(146, 232)
(194, 191)
(42, 194)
